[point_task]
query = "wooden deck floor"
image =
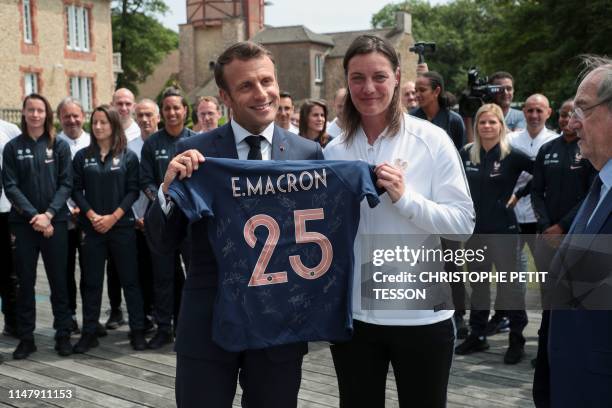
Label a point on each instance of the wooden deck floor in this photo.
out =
(113, 375)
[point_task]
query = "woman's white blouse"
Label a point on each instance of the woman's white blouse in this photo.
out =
(436, 201)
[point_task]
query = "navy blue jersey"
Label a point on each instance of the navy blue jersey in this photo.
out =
(282, 233)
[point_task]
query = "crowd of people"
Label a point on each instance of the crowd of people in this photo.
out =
(104, 196)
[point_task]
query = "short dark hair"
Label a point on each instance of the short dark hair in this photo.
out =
(119, 141)
(49, 129)
(367, 44)
(285, 94)
(244, 51)
(501, 75)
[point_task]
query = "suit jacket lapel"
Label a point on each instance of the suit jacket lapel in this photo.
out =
(580, 244)
(225, 144)
(279, 145)
(601, 215)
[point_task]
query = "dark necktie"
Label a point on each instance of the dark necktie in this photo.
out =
(254, 143)
(590, 203)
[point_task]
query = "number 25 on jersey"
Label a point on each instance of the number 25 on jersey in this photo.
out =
(259, 276)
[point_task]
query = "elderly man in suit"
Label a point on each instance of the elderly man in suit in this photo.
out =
(580, 296)
(206, 374)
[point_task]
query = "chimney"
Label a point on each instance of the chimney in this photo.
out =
(403, 22)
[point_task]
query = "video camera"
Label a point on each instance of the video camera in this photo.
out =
(422, 48)
(478, 93)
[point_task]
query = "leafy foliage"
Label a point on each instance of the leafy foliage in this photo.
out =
(456, 28)
(538, 41)
(140, 38)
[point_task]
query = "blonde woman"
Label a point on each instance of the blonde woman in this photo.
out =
(492, 167)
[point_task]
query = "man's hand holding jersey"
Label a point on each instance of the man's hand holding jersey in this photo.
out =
(183, 165)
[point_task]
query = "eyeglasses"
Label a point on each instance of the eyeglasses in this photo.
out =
(578, 113)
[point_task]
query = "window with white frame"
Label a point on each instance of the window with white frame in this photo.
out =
(27, 22)
(30, 82)
(318, 68)
(77, 19)
(81, 89)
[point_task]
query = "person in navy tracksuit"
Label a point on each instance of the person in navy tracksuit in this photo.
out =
(105, 187)
(37, 178)
(168, 276)
(492, 167)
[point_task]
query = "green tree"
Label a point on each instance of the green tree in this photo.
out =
(543, 55)
(538, 41)
(140, 38)
(457, 28)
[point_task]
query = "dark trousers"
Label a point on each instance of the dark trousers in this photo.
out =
(528, 231)
(527, 237)
(541, 376)
(265, 383)
(54, 250)
(74, 244)
(168, 281)
(545, 251)
(501, 252)
(120, 243)
(8, 279)
(113, 284)
(457, 288)
(421, 357)
(543, 256)
(145, 272)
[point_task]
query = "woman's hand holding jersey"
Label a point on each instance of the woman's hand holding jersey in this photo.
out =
(391, 179)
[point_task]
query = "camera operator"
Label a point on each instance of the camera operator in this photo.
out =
(498, 89)
(515, 120)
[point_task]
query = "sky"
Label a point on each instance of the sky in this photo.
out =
(339, 15)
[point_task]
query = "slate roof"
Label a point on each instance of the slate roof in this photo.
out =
(339, 41)
(291, 34)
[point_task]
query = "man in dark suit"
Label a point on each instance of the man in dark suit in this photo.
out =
(579, 331)
(206, 374)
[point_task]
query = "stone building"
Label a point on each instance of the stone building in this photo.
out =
(56, 48)
(309, 65)
(212, 26)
